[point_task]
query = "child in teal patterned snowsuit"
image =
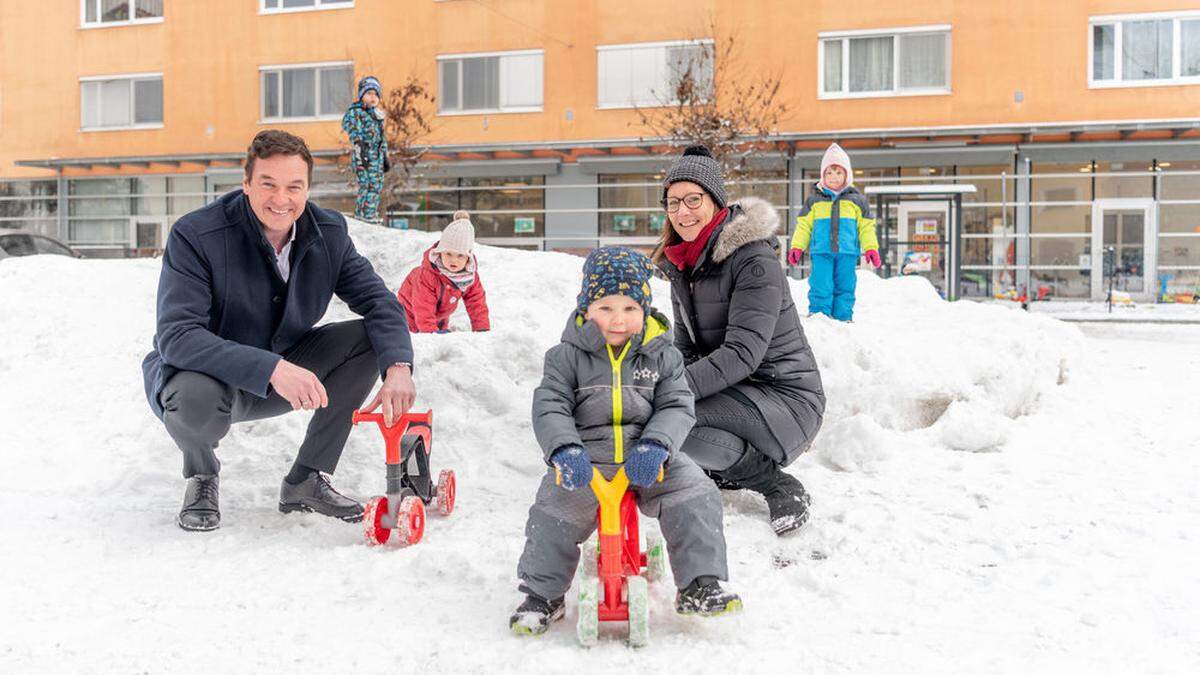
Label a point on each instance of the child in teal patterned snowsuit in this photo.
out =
(363, 122)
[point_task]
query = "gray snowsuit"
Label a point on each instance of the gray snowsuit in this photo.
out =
(576, 404)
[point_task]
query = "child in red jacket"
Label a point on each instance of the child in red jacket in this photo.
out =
(447, 272)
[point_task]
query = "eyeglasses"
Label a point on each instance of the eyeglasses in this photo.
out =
(691, 200)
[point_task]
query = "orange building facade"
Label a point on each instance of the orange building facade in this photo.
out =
(1075, 124)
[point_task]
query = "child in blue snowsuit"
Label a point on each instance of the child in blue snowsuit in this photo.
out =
(835, 226)
(363, 122)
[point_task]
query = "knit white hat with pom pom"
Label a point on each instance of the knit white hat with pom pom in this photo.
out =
(459, 235)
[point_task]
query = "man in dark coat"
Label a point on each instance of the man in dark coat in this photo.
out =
(244, 281)
(759, 399)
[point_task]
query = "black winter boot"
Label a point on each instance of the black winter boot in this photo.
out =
(704, 596)
(535, 615)
(788, 504)
(787, 500)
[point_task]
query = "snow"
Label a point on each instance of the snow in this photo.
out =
(993, 491)
(1122, 312)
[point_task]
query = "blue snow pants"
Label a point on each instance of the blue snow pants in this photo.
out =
(831, 286)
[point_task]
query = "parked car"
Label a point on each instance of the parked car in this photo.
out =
(22, 242)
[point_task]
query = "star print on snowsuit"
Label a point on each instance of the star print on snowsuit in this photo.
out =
(369, 147)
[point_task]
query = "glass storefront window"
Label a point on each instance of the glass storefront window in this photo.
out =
(1067, 182)
(864, 177)
(770, 185)
(989, 186)
(1124, 187)
(524, 196)
(154, 203)
(186, 195)
(987, 283)
(1177, 180)
(30, 205)
(111, 197)
(633, 192)
(1179, 251)
(1050, 218)
(332, 190)
(1060, 283)
(511, 194)
(1061, 252)
(1179, 218)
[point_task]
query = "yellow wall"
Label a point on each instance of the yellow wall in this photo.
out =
(209, 52)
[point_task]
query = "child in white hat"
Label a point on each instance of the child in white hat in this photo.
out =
(447, 274)
(835, 227)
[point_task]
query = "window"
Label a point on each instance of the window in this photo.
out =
(509, 207)
(306, 92)
(125, 102)
(649, 74)
(503, 82)
(98, 13)
(1145, 50)
(280, 6)
(905, 62)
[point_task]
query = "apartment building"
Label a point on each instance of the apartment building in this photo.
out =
(1005, 145)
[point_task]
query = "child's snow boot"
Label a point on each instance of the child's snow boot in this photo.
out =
(535, 615)
(704, 596)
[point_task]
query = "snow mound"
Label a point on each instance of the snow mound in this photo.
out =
(97, 480)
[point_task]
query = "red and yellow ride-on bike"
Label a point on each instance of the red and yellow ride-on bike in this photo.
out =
(612, 583)
(409, 486)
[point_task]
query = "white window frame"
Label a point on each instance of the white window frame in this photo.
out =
(664, 45)
(132, 104)
(499, 84)
(1116, 20)
(262, 108)
(895, 91)
(318, 6)
(88, 25)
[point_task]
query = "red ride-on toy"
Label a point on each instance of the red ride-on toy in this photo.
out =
(612, 586)
(409, 487)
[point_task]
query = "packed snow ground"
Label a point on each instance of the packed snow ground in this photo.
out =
(994, 491)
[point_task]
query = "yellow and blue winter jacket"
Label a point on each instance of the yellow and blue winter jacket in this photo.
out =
(833, 222)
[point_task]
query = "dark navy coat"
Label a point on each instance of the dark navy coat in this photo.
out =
(224, 311)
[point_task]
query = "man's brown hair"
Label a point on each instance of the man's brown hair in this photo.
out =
(273, 142)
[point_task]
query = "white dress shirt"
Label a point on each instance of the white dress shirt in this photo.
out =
(283, 257)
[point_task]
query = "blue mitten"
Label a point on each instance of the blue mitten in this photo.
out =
(443, 331)
(644, 461)
(574, 467)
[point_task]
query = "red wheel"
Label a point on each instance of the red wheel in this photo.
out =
(446, 491)
(410, 521)
(376, 534)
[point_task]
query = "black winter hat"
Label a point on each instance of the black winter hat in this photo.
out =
(698, 166)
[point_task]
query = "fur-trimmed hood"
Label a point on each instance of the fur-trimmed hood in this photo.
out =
(751, 219)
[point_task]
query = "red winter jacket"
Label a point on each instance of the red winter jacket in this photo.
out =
(430, 297)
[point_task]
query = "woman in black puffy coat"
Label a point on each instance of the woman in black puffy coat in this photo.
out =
(759, 400)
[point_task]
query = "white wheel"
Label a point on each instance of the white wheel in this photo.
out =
(589, 558)
(638, 591)
(588, 626)
(656, 558)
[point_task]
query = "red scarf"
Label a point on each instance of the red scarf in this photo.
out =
(686, 253)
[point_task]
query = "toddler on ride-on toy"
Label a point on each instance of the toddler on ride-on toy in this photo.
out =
(614, 395)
